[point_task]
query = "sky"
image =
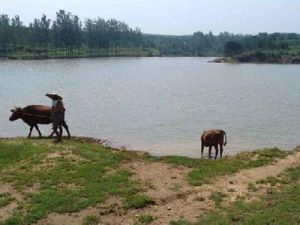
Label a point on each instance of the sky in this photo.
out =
(176, 17)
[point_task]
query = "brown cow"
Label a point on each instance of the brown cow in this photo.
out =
(214, 138)
(34, 115)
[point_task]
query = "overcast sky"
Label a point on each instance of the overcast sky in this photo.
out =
(173, 16)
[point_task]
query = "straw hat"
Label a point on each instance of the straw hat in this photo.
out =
(54, 96)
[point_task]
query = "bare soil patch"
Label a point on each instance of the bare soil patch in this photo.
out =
(161, 181)
(191, 202)
(109, 208)
(8, 210)
(67, 154)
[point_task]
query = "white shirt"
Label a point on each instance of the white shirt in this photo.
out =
(54, 102)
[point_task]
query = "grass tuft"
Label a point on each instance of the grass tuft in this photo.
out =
(217, 197)
(90, 220)
(251, 187)
(145, 219)
(180, 222)
(138, 201)
(5, 199)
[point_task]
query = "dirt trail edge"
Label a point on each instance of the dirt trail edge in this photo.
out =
(175, 198)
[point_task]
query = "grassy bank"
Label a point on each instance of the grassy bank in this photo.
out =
(39, 177)
(204, 171)
(69, 177)
(27, 53)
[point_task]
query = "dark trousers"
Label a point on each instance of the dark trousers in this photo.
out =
(58, 120)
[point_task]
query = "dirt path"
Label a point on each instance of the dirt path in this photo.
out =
(176, 199)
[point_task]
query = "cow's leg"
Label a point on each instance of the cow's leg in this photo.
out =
(221, 151)
(37, 128)
(217, 151)
(202, 148)
(29, 135)
(209, 152)
(66, 128)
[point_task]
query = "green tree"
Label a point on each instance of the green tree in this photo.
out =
(5, 34)
(67, 31)
(17, 31)
(232, 48)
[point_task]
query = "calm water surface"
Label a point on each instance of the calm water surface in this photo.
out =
(161, 105)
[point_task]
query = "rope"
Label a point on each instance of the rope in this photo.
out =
(27, 114)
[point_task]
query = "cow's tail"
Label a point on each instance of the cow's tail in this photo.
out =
(225, 138)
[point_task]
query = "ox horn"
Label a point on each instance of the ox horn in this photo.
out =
(15, 108)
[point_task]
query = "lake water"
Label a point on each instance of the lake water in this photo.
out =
(160, 105)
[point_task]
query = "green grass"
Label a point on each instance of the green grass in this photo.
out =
(13, 151)
(145, 219)
(204, 171)
(82, 52)
(217, 197)
(90, 220)
(138, 201)
(270, 180)
(65, 185)
(180, 222)
(78, 173)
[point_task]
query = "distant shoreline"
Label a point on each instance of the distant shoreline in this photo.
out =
(110, 56)
(259, 57)
(221, 59)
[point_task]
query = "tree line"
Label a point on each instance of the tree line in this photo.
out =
(225, 43)
(68, 34)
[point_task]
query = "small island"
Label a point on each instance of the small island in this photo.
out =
(279, 53)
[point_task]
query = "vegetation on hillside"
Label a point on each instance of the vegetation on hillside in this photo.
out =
(68, 36)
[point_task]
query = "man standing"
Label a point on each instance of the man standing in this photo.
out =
(58, 113)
